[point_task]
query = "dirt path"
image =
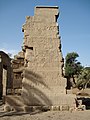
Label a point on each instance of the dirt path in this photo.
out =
(51, 115)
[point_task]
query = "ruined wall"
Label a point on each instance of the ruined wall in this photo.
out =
(5, 74)
(43, 82)
(18, 66)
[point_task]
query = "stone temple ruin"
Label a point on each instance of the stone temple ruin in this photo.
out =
(43, 58)
(5, 74)
(38, 69)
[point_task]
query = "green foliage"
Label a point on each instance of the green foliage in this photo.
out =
(72, 66)
(84, 78)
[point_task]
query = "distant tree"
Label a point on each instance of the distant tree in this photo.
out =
(72, 67)
(83, 80)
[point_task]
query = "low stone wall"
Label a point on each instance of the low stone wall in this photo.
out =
(16, 103)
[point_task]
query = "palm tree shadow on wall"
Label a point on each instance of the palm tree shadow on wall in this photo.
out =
(31, 94)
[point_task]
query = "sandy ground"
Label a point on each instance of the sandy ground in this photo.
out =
(50, 115)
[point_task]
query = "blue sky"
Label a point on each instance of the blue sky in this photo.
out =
(74, 22)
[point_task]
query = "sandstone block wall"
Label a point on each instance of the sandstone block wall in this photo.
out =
(17, 66)
(43, 81)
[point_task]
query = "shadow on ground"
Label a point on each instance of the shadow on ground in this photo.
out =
(13, 113)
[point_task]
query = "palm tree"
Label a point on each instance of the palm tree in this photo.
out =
(72, 68)
(83, 80)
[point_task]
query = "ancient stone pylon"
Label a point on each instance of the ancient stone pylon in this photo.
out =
(43, 82)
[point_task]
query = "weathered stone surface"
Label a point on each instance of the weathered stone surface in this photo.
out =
(43, 81)
(18, 66)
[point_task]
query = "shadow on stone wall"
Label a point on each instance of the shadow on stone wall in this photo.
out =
(31, 94)
(35, 78)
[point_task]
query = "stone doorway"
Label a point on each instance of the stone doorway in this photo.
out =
(3, 89)
(5, 74)
(4, 81)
